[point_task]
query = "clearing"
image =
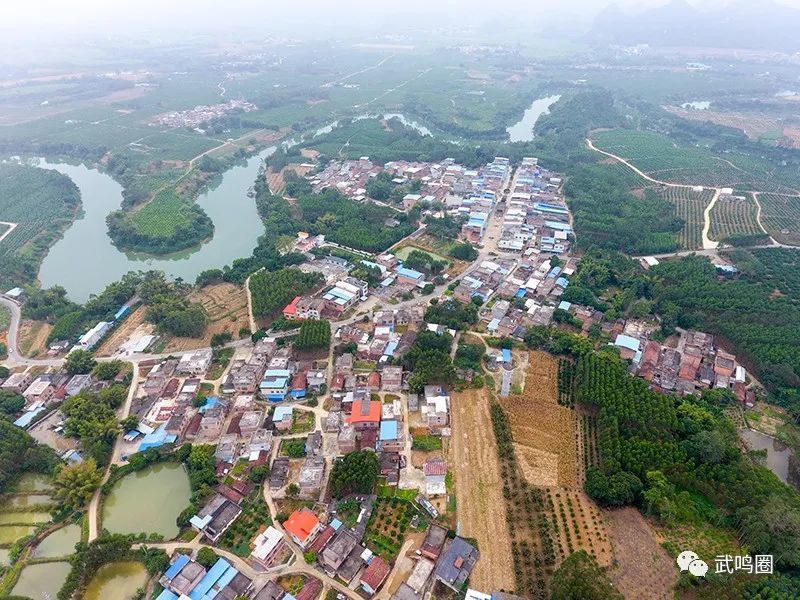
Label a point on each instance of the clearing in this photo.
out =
(226, 308)
(544, 432)
(130, 326)
(479, 489)
(32, 338)
(645, 570)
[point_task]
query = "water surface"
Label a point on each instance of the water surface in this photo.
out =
(84, 260)
(59, 543)
(116, 581)
(778, 453)
(42, 581)
(24, 517)
(522, 131)
(11, 533)
(148, 501)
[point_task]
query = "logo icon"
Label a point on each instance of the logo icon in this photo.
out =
(689, 561)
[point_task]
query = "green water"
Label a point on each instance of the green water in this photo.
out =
(27, 500)
(116, 581)
(148, 501)
(24, 517)
(11, 533)
(41, 582)
(32, 482)
(237, 228)
(59, 543)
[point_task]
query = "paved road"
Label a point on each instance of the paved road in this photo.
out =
(13, 329)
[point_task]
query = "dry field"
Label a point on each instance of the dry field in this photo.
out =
(121, 334)
(644, 569)
(32, 337)
(544, 432)
(277, 182)
(754, 125)
(579, 525)
(226, 309)
(479, 498)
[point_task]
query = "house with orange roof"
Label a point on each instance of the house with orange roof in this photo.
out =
(366, 414)
(290, 311)
(302, 526)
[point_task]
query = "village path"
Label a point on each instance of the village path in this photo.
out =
(11, 227)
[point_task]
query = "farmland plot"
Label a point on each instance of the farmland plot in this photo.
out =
(734, 217)
(780, 215)
(543, 431)
(226, 310)
(689, 206)
(479, 484)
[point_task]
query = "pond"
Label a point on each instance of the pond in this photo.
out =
(24, 517)
(42, 581)
(116, 581)
(778, 454)
(523, 130)
(59, 543)
(11, 533)
(32, 482)
(237, 228)
(148, 501)
(27, 500)
(5, 554)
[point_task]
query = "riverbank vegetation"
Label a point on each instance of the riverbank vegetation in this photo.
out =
(42, 203)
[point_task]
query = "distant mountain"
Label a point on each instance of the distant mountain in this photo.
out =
(767, 26)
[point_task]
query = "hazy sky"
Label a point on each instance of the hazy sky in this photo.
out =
(28, 15)
(30, 25)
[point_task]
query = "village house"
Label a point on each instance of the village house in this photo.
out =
(279, 473)
(194, 363)
(435, 471)
(390, 437)
(392, 378)
(435, 407)
(337, 551)
(434, 541)
(228, 448)
(216, 517)
(366, 414)
(311, 476)
(302, 526)
(17, 382)
(374, 575)
(283, 417)
(268, 546)
(41, 390)
(456, 563)
(260, 441)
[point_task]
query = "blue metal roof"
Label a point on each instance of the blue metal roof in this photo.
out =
(390, 348)
(281, 412)
(176, 567)
(214, 574)
(562, 281)
(493, 324)
(506, 355)
(388, 431)
(410, 273)
(211, 402)
(626, 341)
(158, 438)
(166, 595)
(27, 417)
(564, 305)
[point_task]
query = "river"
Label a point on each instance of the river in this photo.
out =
(148, 501)
(523, 130)
(84, 260)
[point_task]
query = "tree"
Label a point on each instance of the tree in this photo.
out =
(580, 578)
(79, 362)
(292, 490)
(206, 557)
(220, 339)
(11, 402)
(107, 370)
(356, 473)
(464, 251)
(4, 372)
(129, 423)
(75, 484)
(310, 557)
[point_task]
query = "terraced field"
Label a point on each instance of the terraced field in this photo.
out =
(733, 216)
(780, 215)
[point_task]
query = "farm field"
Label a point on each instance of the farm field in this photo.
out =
(43, 203)
(661, 158)
(543, 431)
(689, 206)
(226, 310)
(163, 215)
(780, 216)
(644, 569)
(578, 524)
(479, 486)
(754, 125)
(734, 217)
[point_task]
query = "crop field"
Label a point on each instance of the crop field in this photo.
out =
(780, 215)
(577, 524)
(479, 489)
(544, 432)
(661, 158)
(163, 215)
(226, 310)
(689, 206)
(734, 217)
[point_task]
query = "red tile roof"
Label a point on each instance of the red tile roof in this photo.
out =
(435, 467)
(291, 308)
(322, 539)
(365, 411)
(301, 523)
(375, 574)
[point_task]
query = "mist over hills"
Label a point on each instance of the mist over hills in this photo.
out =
(762, 25)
